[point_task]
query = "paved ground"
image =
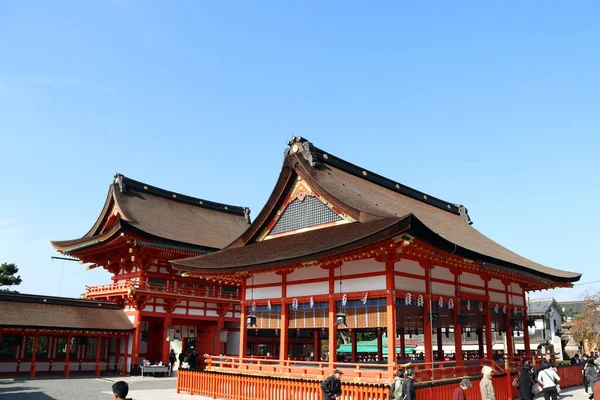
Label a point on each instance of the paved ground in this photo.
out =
(147, 388)
(88, 388)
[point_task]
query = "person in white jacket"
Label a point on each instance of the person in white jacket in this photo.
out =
(548, 379)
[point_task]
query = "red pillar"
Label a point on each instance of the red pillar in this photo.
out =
(98, 346)
(283, 337)
(458, 329)
(316, 345)
(427, 324)
(390, 316)
(332, 333)
(510, 350)
(480, 343)
(136, 339)
(125, 356)
(243, 329)
(379, 345)
(402, 345)
(117, 353)
(67, 356)
(488, 322)
(33, 365)
(440, 345)
(354, 346)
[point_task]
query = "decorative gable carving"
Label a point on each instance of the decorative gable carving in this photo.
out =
(302, 210)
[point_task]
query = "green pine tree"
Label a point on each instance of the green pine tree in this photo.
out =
(8, 276)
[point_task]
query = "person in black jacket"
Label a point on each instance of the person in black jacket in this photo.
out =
(332, 386)
(120, 390)
(408, 387)
(526, 382)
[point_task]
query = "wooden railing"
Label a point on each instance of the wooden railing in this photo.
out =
(371, 373)
(117, 288)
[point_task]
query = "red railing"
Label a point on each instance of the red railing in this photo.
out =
(372, 373)
(117, 288)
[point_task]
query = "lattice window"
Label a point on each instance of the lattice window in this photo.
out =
(303, 214)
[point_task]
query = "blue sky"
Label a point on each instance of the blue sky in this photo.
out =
(494, 106)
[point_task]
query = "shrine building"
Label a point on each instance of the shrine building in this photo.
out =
(339, 254)
(140, 229)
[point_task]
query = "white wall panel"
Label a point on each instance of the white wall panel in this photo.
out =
(148, 308)
(211, 313)
(496, 297)
(308, 273)
(443, 289)
(360, 267)
(474, 291)
(360, 284)
(196, 304)
(261, 279)
(159, 309)
(179, 310)
(442, 273)
(516, 288)
(409, 267)
(517, 301)
(410, 284)
(496, 284)
(472, 279)
(308, 289)
(196, 312)
(233, 344)
(264, 293)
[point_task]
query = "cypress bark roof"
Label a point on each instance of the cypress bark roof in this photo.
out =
(366, 196)
(163, 216)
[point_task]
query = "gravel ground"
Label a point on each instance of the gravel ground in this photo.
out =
(88, 388)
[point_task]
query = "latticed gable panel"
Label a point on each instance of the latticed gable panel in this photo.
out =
(304, 213)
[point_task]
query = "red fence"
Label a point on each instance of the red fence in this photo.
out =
(248, 387)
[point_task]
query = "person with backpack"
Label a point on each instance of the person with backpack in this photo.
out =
(548, 379)
(459, 392)
(396, 388)
(408, 386)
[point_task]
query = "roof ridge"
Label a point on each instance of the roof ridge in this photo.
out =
(56, 300)
(318, 158)
(124, 183)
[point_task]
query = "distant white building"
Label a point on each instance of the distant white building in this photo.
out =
(545, 324)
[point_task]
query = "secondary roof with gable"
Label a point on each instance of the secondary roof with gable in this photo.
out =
(363, 197)
(541, 306)
(162, 216)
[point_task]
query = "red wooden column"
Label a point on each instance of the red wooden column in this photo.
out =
(220, 327)
(33, 367)
(98, 346)
(488, 321)
(67, 356)
(136, 338)
(165, 344)
(117, 353)
(525, 326)
(379, 345)
(243, 328)
(510, 350)
(458, 330)
(125, 356)
(480, 344)
(440, 345)
(391, 309)
(427, 324)
(317, 345)
(402, 344)
(285, 321)
(332, 333)
(354, 345)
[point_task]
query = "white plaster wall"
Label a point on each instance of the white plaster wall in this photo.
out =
(148, 308)
(442, 273)
(496, 297)
(196, 304)
(42, 366)
(443, 289)
(260, 279)
(159, 301)
(233, 343)
(496, 284)
(211, 305)
(180, 311)
(211, 313)
(264, 293)
(410, 284)
(360, 267)
(516, 288)
(360, 284)
(308, 273)
(308, 289)
(472, 279)
(153, 268)
(517, 301)
(164, 270)
(159, 309)
(58, 366)
(471, 290)
(237, 315)
(183, 303)
(8, 367)
(410, 267)
(196, 312)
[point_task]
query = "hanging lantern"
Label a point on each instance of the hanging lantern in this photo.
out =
(340, 319)
(408, 299)
(251, 321)
(223, 333)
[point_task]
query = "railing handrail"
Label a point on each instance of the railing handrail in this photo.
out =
(170, 289)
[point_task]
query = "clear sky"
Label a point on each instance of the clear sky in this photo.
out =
(495, 106)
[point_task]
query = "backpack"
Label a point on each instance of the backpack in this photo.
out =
(396, 389)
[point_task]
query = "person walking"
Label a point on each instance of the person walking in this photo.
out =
(181, 358)
(459, 392)
(526, 383)
(486, 386)
(172, 359)
(397, 386)
(408, 386)
(591, 375)
(332, 386)
(549, 379)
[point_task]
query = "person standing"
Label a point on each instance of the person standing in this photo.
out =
(397, 386)
(548, 378)
(172, 359)
(332, 386)
(408, 386)
(591, 375)
(459, 392)
(486, 386)
(526, 383)
(120, 390)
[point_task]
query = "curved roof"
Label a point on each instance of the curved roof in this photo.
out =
(366, 196)
(164, 216)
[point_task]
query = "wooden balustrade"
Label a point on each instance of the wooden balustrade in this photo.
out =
(113, 288)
